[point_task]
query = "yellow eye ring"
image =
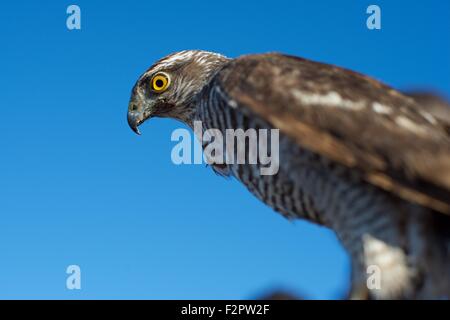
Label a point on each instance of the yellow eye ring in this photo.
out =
(160, 82)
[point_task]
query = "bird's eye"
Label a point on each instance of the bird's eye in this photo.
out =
(160, 82)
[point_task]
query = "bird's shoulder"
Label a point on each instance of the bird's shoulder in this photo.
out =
(347, 117)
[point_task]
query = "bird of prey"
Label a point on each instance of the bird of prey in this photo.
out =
(355, 155)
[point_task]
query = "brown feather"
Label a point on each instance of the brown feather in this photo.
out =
(396, 148)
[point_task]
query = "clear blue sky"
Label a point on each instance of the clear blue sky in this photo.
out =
(78, 187)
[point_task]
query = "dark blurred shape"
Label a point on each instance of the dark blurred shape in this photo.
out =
(433, 103)
(280, 295)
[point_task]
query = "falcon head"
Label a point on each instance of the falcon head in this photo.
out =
(170, 87)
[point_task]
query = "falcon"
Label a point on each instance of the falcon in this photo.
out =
(355, 155)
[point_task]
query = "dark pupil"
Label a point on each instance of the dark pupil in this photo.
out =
(159, 83)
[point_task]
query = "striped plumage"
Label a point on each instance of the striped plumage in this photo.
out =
(383, 218)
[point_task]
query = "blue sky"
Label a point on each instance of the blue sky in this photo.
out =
(78, 187)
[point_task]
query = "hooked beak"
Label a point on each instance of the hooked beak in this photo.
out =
(134, 120)
(137, 114)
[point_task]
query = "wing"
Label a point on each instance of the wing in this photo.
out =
(433, 103)
(349, 118)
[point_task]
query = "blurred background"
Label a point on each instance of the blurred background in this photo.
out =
(78, 187)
